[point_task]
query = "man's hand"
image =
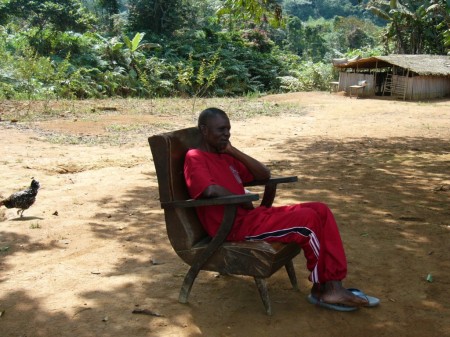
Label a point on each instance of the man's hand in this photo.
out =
(258, 170)
(228, 149)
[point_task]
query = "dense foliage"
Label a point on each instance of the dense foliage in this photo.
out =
(155, 48)
(415, 27)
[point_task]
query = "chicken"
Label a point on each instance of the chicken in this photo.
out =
(23, 199)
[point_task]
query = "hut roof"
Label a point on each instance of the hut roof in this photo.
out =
(437, 65)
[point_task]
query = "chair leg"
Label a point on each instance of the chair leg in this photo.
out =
(187, 284)
(213, 246)
(261, 283)
(291, 272)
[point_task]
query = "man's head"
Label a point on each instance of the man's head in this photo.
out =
(215, 128)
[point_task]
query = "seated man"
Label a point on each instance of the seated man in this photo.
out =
(216, 168)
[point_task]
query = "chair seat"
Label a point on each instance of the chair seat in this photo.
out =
(257, 259)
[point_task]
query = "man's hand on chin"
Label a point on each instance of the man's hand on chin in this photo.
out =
(228, 149)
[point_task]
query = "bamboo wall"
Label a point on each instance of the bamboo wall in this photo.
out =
(348, 79)
(411, 88)
(425, 87)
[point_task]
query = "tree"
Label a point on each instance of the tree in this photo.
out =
(50, 27)
(111, 6)
(109, 12)
(294, 39)
(354, 33)
(314, 41)
(256, 11)
(328, 9)
(59, 15)
(156, 16)
(414, 27)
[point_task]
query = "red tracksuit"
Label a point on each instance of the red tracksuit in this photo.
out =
(311, 225)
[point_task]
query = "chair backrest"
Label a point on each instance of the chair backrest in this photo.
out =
(169, 149)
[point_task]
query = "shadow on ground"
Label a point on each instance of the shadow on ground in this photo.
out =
(390, 199)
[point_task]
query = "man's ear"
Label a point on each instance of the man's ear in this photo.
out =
(202, 128)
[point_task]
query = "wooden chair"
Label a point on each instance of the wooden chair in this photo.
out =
(187, 236)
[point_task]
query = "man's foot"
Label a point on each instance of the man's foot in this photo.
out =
(333, 292)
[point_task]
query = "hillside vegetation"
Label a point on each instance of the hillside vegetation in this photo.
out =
(76, 49)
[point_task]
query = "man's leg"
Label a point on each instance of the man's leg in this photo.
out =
(313, 227)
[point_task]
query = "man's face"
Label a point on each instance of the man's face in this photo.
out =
(216, 133)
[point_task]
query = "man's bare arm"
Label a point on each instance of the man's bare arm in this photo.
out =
(258, 169)
(219, 191)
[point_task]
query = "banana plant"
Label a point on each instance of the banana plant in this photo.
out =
(111, 48)
(414, 27)
(133, 47)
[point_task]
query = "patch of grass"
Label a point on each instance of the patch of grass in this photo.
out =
(138, 128)
(60, 139)
(35, 225)
(26, 111)
(120, 128)
(179, 111)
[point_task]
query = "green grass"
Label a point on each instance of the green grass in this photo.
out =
(35, 225)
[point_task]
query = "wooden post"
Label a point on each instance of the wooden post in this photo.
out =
(406, 85)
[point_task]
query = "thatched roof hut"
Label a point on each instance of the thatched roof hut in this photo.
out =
(404, 76)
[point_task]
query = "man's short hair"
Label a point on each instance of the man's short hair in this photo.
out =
(208, 113)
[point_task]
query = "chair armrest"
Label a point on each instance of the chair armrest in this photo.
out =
(227, 200)
(276, 180)
(270, 189)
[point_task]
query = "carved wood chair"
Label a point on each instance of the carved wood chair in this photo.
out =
(187, 236)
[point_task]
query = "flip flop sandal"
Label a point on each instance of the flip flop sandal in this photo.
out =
(373, 301)
(337, 307)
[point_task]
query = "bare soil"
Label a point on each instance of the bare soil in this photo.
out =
(93, 247)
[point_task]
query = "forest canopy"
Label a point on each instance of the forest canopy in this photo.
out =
(164, 48)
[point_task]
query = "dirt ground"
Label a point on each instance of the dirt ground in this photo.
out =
(93, 247)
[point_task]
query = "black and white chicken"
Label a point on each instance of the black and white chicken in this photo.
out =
(23, 199)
